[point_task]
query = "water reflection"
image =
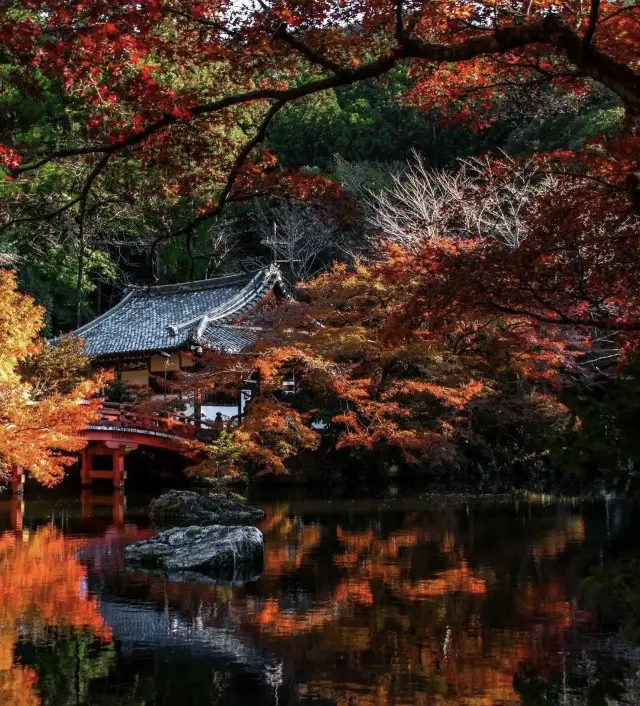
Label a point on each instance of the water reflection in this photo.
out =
(365, 603)
(419, 607)
(43, 596)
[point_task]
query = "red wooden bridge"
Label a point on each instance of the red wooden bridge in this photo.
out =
(120, 428)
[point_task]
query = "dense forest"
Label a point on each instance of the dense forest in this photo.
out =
(452, 195)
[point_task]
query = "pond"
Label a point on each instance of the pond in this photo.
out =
(454, 600)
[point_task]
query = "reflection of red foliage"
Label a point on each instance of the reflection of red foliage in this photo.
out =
(433, 627)
(458, 580)
(17, 684)
(395, 624)
(42, 584)
(43, 581)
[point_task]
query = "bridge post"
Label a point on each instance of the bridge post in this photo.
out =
(16, 484)
(116, 473)
(16, 513)
(118, 508)
(118, 468)
(117, 501)
(86, 467)
(86, 496)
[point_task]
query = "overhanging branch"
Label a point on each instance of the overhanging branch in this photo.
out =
(551, 30)
(239, 162)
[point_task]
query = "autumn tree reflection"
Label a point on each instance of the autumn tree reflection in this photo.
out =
(415, 612)
(361, 604)
(428, 607)
(43, 589)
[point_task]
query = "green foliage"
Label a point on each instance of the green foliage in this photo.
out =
(52, 282)
(568, 128)
(604, 686)
(357, 134)
(225, 457)
(371, 122)
(363, 122)
(532, 689)
(602, 438)
(66, 666)
(619, 590)
(119, 391)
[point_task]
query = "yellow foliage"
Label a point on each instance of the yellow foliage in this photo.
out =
(46, 397)
(20, 322)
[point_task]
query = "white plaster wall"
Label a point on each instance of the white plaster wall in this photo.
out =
(209, 412)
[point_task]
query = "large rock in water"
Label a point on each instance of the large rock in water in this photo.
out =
(184, 507)
(216, 549)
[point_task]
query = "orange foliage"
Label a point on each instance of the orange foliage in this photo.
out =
(119, 65)
(458, 580)
(398, 630)
(40, 416)
(365, 342)
(42, 581)
(432, 635)
(41, 585)
(411, 347)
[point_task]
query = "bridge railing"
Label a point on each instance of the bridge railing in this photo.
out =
(113, 414)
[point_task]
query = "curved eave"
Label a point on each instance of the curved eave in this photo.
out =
(246, 300)
(140, 353)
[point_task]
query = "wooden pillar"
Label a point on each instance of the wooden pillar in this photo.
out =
(86, 503)
(118, 508)
(117, 501)
(117, 459)
(197, 407)
(86, 467)
(16, 484)
(16, 513)
(116, 473)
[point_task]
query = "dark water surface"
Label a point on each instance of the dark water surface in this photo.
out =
(433, 600)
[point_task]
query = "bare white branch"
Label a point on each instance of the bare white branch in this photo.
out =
(485, 197)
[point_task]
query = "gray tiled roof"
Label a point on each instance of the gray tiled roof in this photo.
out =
(171, 316)
(232, 339)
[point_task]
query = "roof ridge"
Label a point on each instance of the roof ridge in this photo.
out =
(247, 293)
(196, 285)
(238, 327)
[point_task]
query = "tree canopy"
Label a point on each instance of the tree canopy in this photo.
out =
(167, 83)
(132, 126)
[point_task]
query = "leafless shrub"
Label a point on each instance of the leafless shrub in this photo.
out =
(484, 196)
(300, 236)
(223, 239)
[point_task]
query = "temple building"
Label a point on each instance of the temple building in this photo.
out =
(154, 331)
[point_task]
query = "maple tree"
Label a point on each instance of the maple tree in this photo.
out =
(418, 348)
(146, 74)
(448, 391)
(46, 393)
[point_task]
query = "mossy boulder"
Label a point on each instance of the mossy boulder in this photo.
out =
(184, 507)
(213, 550)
